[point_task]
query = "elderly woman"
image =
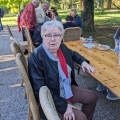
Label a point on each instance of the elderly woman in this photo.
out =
(51, 64)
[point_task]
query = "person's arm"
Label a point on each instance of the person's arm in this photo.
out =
(83, 62)
(77, 21)
(76, 57)
(36, 75)
(116, 44)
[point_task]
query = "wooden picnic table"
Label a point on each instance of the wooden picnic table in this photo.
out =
(105, 62)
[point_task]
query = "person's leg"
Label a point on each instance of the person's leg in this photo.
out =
(78, 115)
(31, 33)
(111, 96)
(24, 39)
(1, 26)
(24, 36)
(100, 88)
(87, 97)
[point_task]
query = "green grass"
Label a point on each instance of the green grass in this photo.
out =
(106, 24)
(11, 21)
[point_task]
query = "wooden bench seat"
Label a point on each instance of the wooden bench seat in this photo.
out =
(24, 45)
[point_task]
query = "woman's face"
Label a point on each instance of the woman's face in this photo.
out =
(72, 14)
(52, 13)
(52, 39)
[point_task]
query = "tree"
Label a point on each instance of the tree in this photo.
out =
(3, 3)
(15, 5)
(109, 4)
(87, 14)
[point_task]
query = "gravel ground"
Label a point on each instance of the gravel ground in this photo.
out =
(13, 106)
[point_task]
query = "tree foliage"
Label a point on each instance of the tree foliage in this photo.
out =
(15, 6)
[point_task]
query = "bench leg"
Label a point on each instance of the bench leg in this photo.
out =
(29, 113)
(25, 95)
(22, 83)
(78, 70)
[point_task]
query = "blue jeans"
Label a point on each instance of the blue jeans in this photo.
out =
(109, 94)
(1, 26)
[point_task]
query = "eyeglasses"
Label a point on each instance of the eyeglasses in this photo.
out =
(55, 36)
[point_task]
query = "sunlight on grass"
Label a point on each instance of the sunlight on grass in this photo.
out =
(107, 18)
(11, 21)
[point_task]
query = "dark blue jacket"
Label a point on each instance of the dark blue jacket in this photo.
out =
(68, 24)
(44, 71)
(77, 21)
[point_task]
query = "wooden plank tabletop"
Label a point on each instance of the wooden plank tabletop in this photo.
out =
(105, 63)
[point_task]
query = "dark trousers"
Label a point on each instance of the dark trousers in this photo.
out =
(88, 98)
(31, 33)
(24, 36)
(1, 26)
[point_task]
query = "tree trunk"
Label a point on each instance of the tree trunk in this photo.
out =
(101, 3)
(72, 3)
(87, 14)
(109, 4)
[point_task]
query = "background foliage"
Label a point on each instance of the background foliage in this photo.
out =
(14, 6)
(106, 16)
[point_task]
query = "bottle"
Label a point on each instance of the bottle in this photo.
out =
(90, 40)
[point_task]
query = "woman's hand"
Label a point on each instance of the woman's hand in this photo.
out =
(86, 66)
(69, 115)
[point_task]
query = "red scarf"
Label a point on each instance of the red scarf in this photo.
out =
(64, 66)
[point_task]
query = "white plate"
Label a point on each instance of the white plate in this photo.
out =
(103, 47)
(86, 45)
(83, 39)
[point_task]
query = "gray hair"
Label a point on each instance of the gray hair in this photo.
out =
(36, 1)
(73, 10)
(50, 25)
(46, 2)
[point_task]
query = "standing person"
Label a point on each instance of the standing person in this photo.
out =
(40, 19)
(29, 17)
(76, 19)
(41, 13)
(18, 20)
(1, 16)
(100, 87)
(69, 22)
(117, 39)
(52, 64)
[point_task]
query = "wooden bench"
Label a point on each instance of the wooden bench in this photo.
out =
(105, 63)
(24, 44)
